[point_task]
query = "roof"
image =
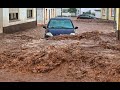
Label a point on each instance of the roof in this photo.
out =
(61, 18)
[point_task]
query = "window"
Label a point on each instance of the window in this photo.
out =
(13, 16)
(60, 24)
(112, 12)
(13, 13)
(29, 13)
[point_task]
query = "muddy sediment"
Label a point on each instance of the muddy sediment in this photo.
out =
(90, 56)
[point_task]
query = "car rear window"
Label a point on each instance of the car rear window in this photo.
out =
(60, 23)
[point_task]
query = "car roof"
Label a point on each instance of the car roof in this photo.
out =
(59, 18)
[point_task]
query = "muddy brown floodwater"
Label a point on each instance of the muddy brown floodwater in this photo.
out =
(92, 56)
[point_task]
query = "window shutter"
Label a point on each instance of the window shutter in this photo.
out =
(29, 12)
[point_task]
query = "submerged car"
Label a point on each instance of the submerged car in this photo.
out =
(86, 16)
(59, 26)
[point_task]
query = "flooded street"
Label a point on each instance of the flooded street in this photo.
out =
(92, 55)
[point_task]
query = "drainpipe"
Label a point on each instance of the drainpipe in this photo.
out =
(115, 19)
(44, 15)
(36, 17)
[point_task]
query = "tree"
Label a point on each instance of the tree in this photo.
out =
(72, 10)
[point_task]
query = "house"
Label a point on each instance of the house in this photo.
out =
(108, 13)
(98, 13)
(44, 15)
(17, 19)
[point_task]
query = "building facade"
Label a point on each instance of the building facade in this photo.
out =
(78, 12)
(111, 13)
(58, 11)
(108, 13)
(44, 15)
(98, 13)
(104, 13)
(40, 16)
(114, 15)
(17, 19)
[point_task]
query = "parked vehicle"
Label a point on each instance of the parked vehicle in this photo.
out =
(58, 26)
(86, 16)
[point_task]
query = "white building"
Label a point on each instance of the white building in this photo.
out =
(44, 15)
(78, 11)
(58, 11)
(40, 16)
(17, 19)
(98, 13)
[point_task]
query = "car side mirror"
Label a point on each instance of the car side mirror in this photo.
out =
(76, 27)
(44, 27)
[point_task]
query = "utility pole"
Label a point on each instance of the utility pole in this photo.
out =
(61, 11)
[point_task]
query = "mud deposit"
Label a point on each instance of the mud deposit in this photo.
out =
(90, 56)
